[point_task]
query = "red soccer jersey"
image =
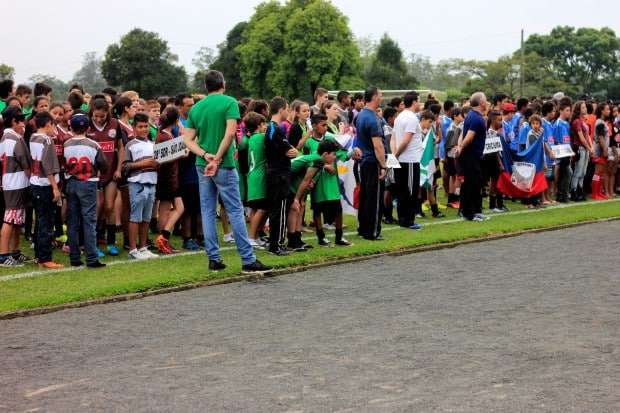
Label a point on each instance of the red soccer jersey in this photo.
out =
(108, 139)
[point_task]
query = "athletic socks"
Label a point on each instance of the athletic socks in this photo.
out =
(338, 234)
(111, 239)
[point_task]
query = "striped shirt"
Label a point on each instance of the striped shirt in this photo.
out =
(138, 150)
(44, 160)
(15, 169)
(84, 159)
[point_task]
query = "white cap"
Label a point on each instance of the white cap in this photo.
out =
(558, 96)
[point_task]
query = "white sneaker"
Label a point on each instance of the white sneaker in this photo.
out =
(136, 255)
(257, 244)
(148, 254)
(329, 227)
(229, 238)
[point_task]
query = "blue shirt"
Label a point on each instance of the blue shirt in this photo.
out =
(368, 126)
(548, 138)
(516, 120)
(561, 132)
(523, 132)
(475, 122)
(445, 125)
(509, 133)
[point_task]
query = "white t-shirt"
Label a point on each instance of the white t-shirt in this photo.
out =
(408, 122)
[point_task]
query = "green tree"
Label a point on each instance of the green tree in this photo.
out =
(227, 62)
(583, 57)
(6, 71)
(142, 61)
(89, 76)
(292, 49)
(388, 69)
(60, 88)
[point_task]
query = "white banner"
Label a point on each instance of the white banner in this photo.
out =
(562, 151)
(523, 175)
(492, 144)
(169, 151)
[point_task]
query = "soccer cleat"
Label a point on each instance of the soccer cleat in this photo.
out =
(342, 243)
(148, 254)
(24, 259)
(163, 245)
(113, 251)
(280, 252)
(100, 253)
(416, 227)
(51, 265)
(191, 245)
(11, 262)
(135, 254)
(323, 242)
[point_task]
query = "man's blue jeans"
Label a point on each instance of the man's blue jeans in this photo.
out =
(82, 209)
(225, 184)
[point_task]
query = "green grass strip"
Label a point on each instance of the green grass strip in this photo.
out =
(74, 286)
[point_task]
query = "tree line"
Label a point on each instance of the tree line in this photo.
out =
(290, 49)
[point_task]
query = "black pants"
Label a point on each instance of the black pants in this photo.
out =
(371, 201)
(43, 202)
(471, 189)
(278, 198)
(408, 185)
(565, 173)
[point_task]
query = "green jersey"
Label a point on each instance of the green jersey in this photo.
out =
(2, 105)
(327, 187)
(208, 117)
(300, 165)
(242, 151)
(27, 111)
(257, 178)
(152, 132)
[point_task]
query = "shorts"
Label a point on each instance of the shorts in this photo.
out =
(191, 198)
(550, 172)
(141, 200)
(490, 168)
(329, 208)
(437, 174)
(257, 204)
(15, 216)
(166, 194)
(450, 166)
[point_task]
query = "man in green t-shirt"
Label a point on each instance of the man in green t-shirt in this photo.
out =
(319, 168)
(210, 134)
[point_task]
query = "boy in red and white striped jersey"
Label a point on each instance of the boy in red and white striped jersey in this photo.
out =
(44, 181)
(15, 182)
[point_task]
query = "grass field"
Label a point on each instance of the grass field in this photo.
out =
(28, 287)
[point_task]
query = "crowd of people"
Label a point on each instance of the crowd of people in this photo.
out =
(80, 174)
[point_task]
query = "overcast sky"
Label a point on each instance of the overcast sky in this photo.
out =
(43, 36)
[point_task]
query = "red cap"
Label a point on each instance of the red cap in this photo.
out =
(508, 107)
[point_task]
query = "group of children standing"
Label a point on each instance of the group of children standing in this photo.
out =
(90, 165)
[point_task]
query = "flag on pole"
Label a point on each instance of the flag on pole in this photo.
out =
(427, 163)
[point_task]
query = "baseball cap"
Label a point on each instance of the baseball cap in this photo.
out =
(508, 107)
(79, 121)
(558, 96)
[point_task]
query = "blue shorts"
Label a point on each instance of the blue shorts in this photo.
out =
(141, 199)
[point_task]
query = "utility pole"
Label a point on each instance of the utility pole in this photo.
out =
(522, 65)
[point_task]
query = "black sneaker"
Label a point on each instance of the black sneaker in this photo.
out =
(255, 267)
(439, 215)
(23, 258)
(96, 264)
(307, 246)
(216, 265)
(77, 264)
(296, 248)
(342, 242)
(324, 242)
(280, 252)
